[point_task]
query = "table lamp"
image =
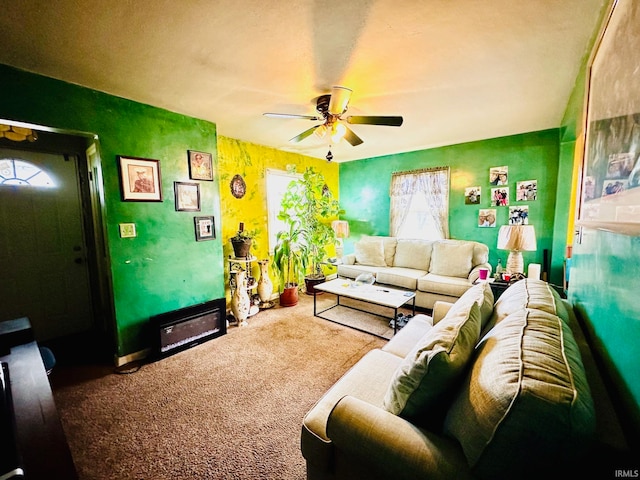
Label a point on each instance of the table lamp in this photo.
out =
(516, 239)
(341, 227)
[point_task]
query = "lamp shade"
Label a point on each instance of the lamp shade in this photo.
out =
(341, 227)
(517, 238)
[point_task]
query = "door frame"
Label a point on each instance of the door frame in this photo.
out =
(85, 146)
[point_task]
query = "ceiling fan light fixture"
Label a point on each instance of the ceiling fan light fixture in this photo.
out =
(321, 131)
(18, 134)
(339, 100)
(338, 131)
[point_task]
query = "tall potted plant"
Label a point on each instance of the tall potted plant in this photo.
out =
(309, 203)
(290, 262)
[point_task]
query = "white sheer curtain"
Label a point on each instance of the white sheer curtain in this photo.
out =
(420, 204)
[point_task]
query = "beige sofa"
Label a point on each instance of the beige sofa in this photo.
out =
(438, 270)
(479, 391)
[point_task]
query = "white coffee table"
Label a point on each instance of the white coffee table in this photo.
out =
(375, 294)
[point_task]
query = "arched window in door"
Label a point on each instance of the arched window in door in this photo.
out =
(19, 172)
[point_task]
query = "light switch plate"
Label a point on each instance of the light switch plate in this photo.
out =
(127, 230)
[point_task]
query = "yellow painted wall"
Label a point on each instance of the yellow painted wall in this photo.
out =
(251, 161)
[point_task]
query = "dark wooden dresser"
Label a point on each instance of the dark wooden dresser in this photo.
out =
(42, 449)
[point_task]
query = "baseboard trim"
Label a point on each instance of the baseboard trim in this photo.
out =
(132, 357)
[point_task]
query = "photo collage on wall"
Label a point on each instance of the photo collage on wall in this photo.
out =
(525, 191)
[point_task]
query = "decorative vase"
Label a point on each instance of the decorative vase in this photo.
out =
(265, 286)
(240, 301)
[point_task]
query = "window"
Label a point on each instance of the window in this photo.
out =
(277, 183)
(420, 204)
(19, 172)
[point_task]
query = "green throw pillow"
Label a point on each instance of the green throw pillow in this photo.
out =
(425, 376)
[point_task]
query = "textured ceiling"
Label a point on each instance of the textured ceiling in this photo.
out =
(456, 70)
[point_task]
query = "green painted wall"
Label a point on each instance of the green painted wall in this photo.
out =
(164, 268)
(604, 283)
(364, 189)
(604, 287)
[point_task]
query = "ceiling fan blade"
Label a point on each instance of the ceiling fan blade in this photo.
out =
(291, 115)
(303, 135)
(339, 100)
(352, 138)
(375, 120)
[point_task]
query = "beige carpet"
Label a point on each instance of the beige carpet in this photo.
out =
(230, 408)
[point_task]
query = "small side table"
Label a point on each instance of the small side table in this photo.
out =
(497, 286)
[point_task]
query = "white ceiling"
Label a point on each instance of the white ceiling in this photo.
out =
(456, 70)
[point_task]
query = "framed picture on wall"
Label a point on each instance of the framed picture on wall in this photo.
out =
(610, 185)
(205, 228)
(500, 197)
(527, 191)
(200, 165)
(472, 195)
(499, 175)
(187, 196)
(140, 179)
(487, 217)
(519, 215)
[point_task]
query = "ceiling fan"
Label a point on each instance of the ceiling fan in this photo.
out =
(331, 108)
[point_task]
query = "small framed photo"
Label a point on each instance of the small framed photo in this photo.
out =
(140, 179)
(487, 217)
(500, 197)
(499, 175)
(519, 215)
(205, 228)
(472, 195)
(187, 196)
(200, 165)
(613, 187)
(527, 191)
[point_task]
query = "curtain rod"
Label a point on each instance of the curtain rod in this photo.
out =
(420, 170)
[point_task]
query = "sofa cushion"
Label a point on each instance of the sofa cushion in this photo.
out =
(400, 277)
(527, 386)
(389, 247)
(529, 293)
(413, 253)
(370, 251)
(404, 341)
(444, 285)
(451, 259)
(424, 378)
(367, 380)
(352, 271)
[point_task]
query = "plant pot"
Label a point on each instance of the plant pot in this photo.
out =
(311, 281)
(289, 296)
(241, 248)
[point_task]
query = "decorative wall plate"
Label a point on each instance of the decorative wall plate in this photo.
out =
(238, 186)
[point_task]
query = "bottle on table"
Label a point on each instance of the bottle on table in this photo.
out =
(499, 270)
